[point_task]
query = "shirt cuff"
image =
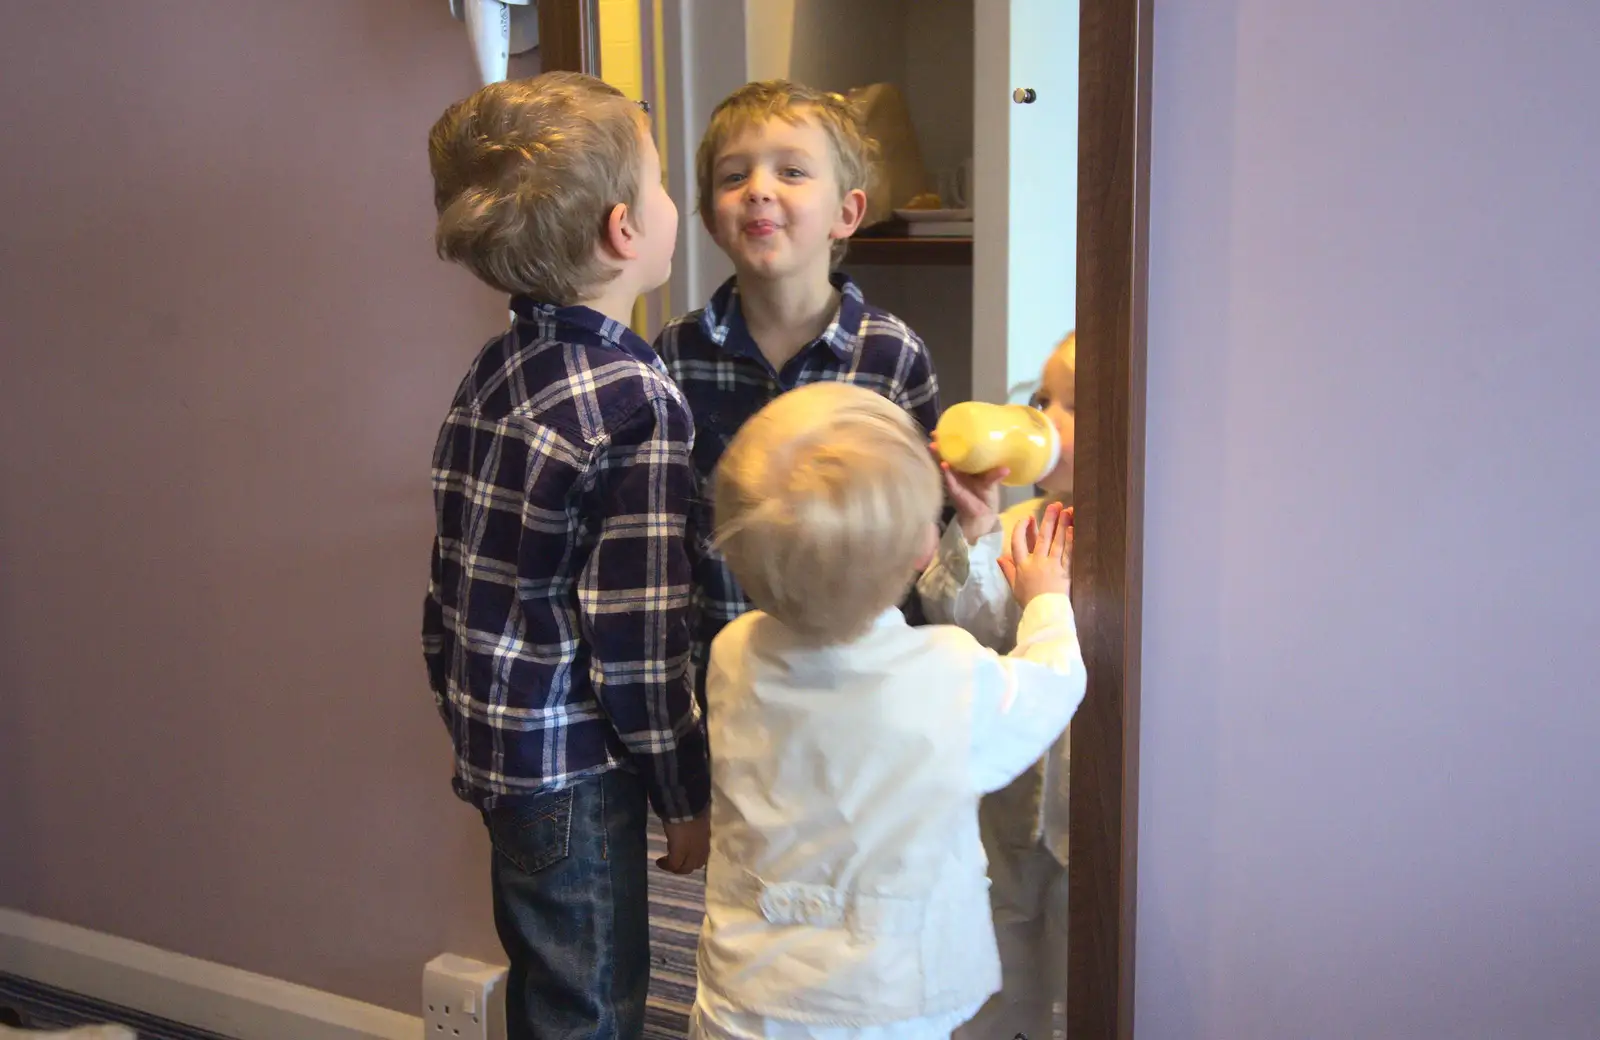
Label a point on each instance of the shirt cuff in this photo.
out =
(1043, 614)
(958, 558)
(691, 796)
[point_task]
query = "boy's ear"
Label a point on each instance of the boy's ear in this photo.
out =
(619, 239)
(852, 208)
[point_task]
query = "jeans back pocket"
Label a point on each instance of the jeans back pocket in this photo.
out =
(533, 835)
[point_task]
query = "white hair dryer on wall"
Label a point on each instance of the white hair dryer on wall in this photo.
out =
(498, 29)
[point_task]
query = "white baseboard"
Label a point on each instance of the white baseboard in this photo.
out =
(185, 989)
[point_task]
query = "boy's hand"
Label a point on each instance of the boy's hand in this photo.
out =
(1041, 555)
(976, 497)
(688, 845)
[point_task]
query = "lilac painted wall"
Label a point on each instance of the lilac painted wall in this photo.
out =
(227, 347)
(1371, 735)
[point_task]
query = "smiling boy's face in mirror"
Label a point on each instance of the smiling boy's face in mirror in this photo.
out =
(777, 204)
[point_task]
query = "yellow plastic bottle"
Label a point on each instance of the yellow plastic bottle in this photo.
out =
(975, 437)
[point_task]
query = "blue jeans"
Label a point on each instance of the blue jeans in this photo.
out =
(571, 905)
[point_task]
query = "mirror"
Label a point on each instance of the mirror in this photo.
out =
(1015, 136)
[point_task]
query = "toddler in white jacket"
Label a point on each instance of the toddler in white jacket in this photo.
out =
(846, 893)
(1024, 825)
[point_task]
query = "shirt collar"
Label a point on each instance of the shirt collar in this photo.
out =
(894, 617)
(723, 322)
(608, 330)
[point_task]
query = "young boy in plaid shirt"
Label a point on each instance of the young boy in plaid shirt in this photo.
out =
(782, 173)
(556, 623)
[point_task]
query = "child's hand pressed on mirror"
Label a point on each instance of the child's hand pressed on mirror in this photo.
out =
(1041, 555)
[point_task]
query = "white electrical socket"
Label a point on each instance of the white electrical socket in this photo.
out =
(463, 999)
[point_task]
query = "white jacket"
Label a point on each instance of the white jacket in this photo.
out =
(964, 586)
(847, 883)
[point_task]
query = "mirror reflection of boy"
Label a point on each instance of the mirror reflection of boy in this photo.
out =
(1024, 826)
(782, 173)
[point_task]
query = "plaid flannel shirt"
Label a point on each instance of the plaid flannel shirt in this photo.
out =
(722, 372)
(556, 622)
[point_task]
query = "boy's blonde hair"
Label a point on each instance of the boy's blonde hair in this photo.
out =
(1067, 350)
(853, 150)
(825, 503)
(525, 175)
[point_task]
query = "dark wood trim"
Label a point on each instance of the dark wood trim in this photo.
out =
(566, 41)
(1108, 495)
(902, 250)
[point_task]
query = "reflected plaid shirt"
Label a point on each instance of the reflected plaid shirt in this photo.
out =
(712, 357)
(556, 622)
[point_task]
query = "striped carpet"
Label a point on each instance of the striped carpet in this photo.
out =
(35, 1006)
(676, 906)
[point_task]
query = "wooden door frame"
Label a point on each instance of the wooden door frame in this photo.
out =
(567, 41)
(1108, 496)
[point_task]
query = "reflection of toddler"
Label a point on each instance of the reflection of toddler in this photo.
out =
(1024, 826)
(845, 893)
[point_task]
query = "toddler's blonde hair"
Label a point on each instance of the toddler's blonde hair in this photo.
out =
(825, 504)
